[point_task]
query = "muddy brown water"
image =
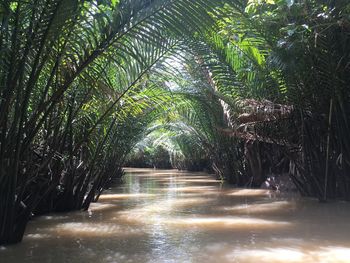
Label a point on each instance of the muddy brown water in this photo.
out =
(171, 216)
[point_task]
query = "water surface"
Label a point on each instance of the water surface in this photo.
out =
(171, 216)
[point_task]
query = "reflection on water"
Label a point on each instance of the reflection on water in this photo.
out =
(258, 208)
(171, 216)
(124, 196)
(250, 192)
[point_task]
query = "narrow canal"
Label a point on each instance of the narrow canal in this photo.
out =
(171, 216)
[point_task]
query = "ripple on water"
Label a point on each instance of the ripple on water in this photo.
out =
(259, 208)
(295, 255)
(94, 229)
(170, 216)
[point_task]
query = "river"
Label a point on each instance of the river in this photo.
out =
(172, 216)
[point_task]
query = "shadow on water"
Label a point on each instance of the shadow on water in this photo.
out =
(171, 216)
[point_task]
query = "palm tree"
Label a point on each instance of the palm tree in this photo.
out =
(57, 57)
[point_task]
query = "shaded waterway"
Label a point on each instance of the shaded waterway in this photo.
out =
(171, 216)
